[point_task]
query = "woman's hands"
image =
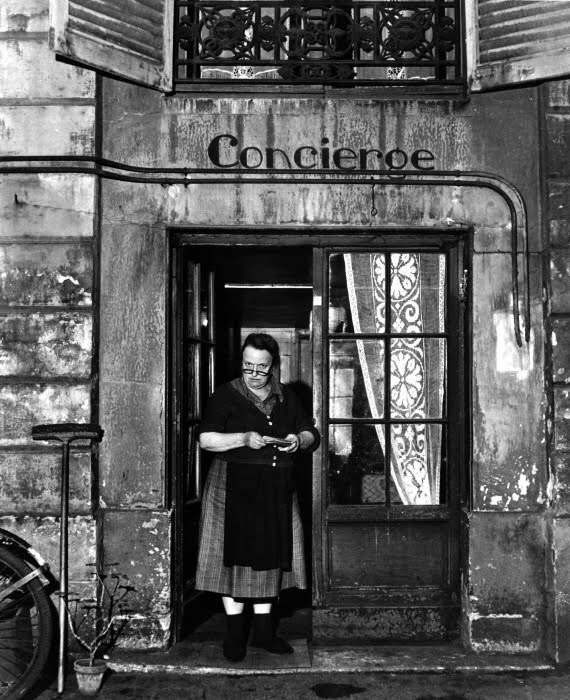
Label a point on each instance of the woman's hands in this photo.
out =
(294, 446)
(254, 440)
(222, 442)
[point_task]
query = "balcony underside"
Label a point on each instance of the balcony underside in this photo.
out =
(376, 44)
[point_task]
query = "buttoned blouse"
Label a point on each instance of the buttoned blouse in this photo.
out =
(232, 409)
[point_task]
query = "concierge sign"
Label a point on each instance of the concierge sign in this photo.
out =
(226, 151)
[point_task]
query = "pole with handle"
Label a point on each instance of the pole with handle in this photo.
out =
(65, 433)
(63, 565)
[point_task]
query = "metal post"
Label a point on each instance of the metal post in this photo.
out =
(65, 433)
(63, 574)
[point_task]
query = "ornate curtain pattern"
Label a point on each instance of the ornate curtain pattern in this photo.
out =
(417, 364)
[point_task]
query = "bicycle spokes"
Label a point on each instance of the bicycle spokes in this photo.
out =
(25, 625)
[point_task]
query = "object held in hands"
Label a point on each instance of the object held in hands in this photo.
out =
(270, 440)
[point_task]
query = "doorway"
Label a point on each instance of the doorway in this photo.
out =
(220, 294)
(372, 333)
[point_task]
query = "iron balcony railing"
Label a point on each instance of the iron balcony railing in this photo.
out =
(397, 42)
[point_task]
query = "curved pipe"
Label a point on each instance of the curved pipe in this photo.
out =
(113, 170)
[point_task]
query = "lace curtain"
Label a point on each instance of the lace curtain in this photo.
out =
(417, 364)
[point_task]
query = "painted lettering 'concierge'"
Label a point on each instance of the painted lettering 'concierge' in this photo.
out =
(225, 151)
(176, 179)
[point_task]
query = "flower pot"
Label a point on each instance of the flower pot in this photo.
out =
(89, 677)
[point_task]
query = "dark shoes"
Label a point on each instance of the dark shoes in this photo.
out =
(264, 636)
(234, 645)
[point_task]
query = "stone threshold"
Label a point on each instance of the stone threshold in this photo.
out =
(205, 658)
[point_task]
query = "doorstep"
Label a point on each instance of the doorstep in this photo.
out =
(204, 658)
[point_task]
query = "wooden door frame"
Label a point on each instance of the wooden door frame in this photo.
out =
(318, 238)
(426, 239)
(175, 482)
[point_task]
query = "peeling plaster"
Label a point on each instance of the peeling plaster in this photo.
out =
(550, 488)
(524, 483)
(495, 616)
(486, 645)
(151, 523)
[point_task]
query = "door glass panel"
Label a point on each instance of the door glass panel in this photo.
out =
(356, 283)
(417, 457)
(191, 490)
(417, 381)
(407, 313)
(206, 388)
(205, 307)
(356, 459)
(191, 407)
(417, 290)
(190, 302)
(356, 378)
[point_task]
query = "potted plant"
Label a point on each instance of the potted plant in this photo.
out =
(96, 623)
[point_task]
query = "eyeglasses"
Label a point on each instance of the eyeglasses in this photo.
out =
(255, 369)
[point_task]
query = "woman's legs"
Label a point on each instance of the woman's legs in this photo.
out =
(264, 636)
(235, 607)
(262, 608)
(234, 646)
(231, 606)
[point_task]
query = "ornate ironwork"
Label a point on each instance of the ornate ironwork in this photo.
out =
(390, 42)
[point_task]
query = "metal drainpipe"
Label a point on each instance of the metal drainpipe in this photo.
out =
(113, 170)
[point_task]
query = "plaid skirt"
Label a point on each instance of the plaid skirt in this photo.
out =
(240, 581)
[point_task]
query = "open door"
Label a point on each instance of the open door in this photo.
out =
(192, 381)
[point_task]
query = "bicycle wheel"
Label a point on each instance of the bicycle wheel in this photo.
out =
(26, 627)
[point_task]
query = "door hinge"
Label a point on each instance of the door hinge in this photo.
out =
(463, 286)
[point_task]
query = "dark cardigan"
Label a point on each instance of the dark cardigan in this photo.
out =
(259, 487)
(230, 411)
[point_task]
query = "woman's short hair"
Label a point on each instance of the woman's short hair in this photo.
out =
(263, 341)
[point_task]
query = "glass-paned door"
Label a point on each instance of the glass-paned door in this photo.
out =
(393, 424)
(192, 381)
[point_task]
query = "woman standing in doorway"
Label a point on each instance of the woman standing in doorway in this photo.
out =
(251, 539)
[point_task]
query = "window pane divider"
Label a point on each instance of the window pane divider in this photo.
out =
(192, 338)
(382, 512)
(388, 421)
(385, 336)
(387, 378)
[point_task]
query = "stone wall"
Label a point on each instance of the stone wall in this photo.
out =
(557, 209)
(50, 355)
(47, 249)
(505, 598)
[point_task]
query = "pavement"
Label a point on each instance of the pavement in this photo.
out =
(554, 685)
(412, 672)
(196, 669)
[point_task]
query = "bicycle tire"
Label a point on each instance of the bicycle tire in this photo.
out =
(26, 628)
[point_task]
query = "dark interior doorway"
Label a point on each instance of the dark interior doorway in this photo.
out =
(220, 293)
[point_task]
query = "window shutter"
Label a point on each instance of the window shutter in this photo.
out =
(130, 39)
(519, 41)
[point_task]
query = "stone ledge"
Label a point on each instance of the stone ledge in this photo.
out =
(189, 658)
